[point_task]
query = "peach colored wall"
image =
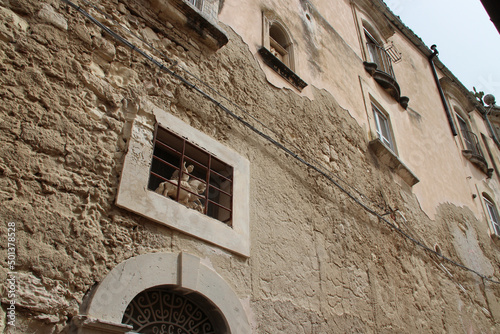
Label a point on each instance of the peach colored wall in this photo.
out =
(328, 56)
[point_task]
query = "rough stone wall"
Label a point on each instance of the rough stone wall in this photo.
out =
(318, 264)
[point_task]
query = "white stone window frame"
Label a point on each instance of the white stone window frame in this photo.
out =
(382, 122)
(268, 20)
(493, 216)
(385, 155)
(134, 195)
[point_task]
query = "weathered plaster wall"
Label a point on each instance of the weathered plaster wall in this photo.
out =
(425, 138)
(318, 262)
(329, 57)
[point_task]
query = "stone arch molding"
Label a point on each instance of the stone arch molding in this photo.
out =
(102, 310)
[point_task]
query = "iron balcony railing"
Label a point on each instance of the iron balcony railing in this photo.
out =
(380, 57)
(472, 143)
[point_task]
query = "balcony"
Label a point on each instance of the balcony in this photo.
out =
(474, 153)
(380, 68)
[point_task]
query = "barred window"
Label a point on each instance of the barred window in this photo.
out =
(206, 183)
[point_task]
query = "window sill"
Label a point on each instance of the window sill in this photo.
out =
(391, 160)
(282, 69)
(183, 13)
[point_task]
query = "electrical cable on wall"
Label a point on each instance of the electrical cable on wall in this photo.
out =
(267, 137)
(177, 65)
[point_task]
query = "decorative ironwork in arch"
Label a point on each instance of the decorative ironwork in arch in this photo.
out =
(163, 311)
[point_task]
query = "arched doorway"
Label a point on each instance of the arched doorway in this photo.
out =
(180, 277)
(166, 309)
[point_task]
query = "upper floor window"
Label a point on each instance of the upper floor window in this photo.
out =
(383, 127)
(493, 215)
(197, 3)
(191, 176)
(379, 63)
(377, 54)
(383, 145)
(277, 50)
(280, 45)
(372, 46)
(471, 146)
(467, 135)
(180, 177)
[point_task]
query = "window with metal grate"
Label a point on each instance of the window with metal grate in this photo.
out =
(191, 176)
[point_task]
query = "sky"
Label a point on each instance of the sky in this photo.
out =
(467, 41)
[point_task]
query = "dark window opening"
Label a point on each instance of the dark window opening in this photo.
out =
(279, 45)
(206, 183)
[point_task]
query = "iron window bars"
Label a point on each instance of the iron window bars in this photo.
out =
(206, 183)
(379, 55)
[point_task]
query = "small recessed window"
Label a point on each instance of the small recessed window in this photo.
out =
(206, 182)
(279, 44)
(493, 215)
(383, 128)
(277, 50)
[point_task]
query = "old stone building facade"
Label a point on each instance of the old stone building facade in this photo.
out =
(237, 166)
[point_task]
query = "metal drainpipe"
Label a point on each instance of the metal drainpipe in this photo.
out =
(493, 133)
(440, 89)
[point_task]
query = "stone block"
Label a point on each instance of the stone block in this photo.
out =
(49, 15)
